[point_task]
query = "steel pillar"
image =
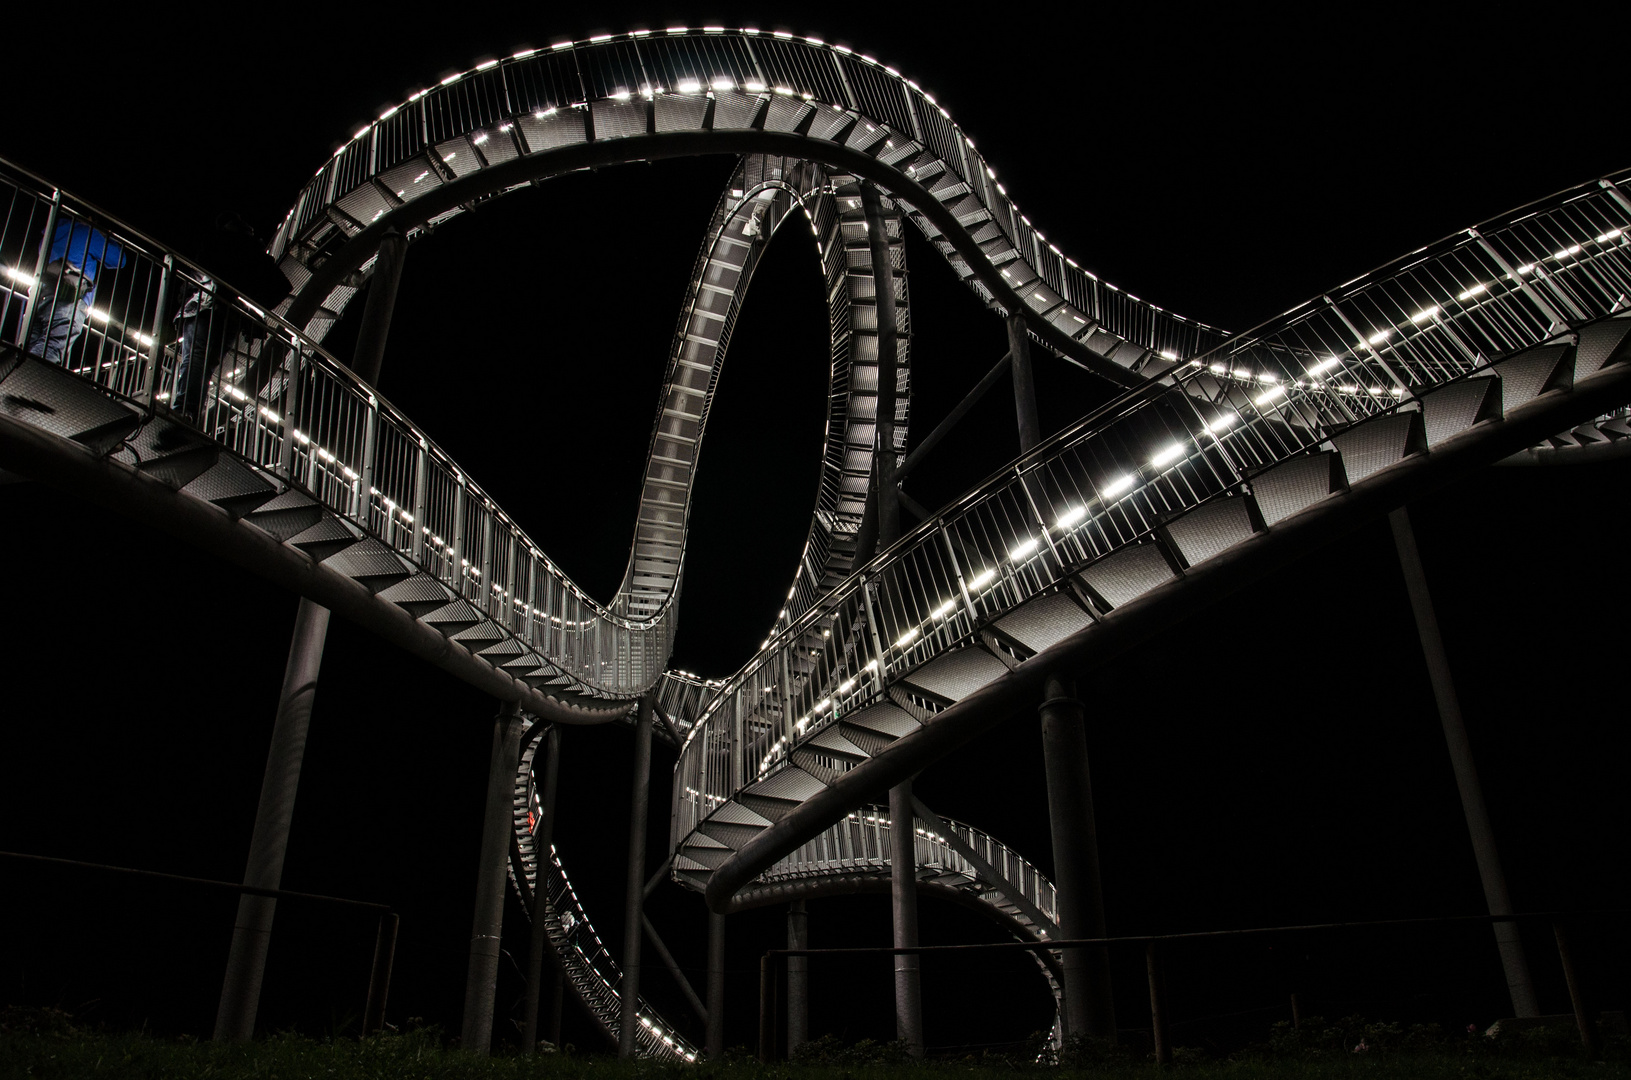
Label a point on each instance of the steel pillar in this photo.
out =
(798, 977)
(1089, 1009)
(543, 839)
(252, 932)
(715, 1038)
(903, 909)
(1513, 962)
(487, 927)
(379, 307)
(639, 810)
(1019, 352)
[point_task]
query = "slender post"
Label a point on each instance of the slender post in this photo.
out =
(543, 839)
(1590, 1040)
(379, 976)
(252, 933)
(1158, 1007)
(1513, 962)
(1089, 1009)
(639, 809)
(798, 977)
(903, 908)
(716, 986)
(1019, 352)
(379, 307)
(767, 1008)
(487, 927)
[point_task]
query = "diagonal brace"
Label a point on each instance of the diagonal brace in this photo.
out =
(673, 968)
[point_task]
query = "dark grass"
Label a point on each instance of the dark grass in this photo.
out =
(48, 1044)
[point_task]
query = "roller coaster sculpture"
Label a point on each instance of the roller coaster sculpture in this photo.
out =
(1227, 454)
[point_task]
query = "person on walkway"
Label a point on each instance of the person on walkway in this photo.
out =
(211, 319)
(67, 286)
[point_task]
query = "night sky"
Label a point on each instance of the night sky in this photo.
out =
(1276, 759)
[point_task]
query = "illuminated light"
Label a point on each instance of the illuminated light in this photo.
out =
(524, 53)
(789, 91)
(559, 45)
(765, 644)
(826, 634)
(750, 30)
(1526, 268)
(621, 95)
(1040, 297)
(1168, 456)
(983, 579)
(1241, 373)
(453, 78)
(1001, 190)
(723, 84)
(871, 665)
(596, 39)
(485, 64)
(713, 29)
(483, 137)
(1572, 249)
(19, 277)
(98, 314)
(1117, 486)
(943, 610)
(361, 133)
(1379, 337)
(754, 85)
(1217, 369)
(688, 86)
(1612, 234)
(846, 686)
(822, 704)
(1024, 549)
(846, 50)
(1268, 377)
(1268, 396)
(1472, 292)
(451, 156)
(1070, 517)
(1324, 366)
(505, 127)
(781, 34)
(1168, 354)
(906, 638)
(1398, 392)
(1223, 423)
(815, 41)
(426, 173)
(388, 113)
(1424, 315)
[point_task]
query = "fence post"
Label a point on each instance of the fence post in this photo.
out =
(379, 977)
(1589, 1038)
(1158, 1007)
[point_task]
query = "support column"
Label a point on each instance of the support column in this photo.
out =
(1019, 351)
(1513, 962)
(379, 307)
(543, 839)
(639, 810)
(715, 1036)
(487, 928)
(903, 908)
(252, 933)
(798, 977)
(1089, 1009)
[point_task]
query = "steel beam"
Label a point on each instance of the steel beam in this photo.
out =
(1019, 352)
(798, 977)
(639, 809)
(903, 912)
(953, 418)
(252, 933)
(538, 945)
(379, 307)
(674, 969)
(1507, 939)
(1088, 1006)
(715, 1037)
(487, 926)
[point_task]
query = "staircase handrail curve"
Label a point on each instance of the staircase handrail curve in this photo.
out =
(594, 975)
(1369, 348)
(932, 850)
(530, 599)
(535, 99)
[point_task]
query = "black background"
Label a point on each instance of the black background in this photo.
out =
(1276, 759)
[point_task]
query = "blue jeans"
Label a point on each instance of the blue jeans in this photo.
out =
(59, 316)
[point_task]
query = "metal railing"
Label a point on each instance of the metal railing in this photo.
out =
(1369, 348)
(293, 413)
(574, 92)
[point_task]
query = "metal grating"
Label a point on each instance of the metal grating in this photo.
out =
(1211, 528)
(1044, 621)
(1128, 574)
(1374, 445)
(958, 674)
